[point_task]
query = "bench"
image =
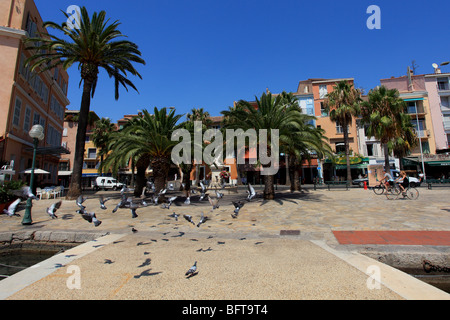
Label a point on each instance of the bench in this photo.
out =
(437, 182)
(337, 184)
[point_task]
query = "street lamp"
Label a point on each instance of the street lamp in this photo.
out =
(37, 133)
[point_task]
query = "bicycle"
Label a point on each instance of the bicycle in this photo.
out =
(381, 188)
(394, 193)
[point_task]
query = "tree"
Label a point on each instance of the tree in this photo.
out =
(270, 113)
(343, 103)
(94, 46)
(305, 142)
(101, 136)
(384, 116)
(147, 139)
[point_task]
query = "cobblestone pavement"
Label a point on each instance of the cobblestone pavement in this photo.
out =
(242, 258)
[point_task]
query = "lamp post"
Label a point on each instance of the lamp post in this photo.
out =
(37, 133)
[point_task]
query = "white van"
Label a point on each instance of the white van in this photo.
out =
(106, 183)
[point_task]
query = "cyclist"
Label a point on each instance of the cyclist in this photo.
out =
(387, 180)
(403, 181)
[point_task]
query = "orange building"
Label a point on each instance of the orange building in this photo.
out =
(26, 97)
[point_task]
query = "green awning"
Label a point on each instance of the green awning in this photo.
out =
(438, 163)
(352, 166)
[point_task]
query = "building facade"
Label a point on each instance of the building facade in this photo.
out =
(424, 96)
(28, 98)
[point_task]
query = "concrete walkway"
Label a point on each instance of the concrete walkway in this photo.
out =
(283, 249)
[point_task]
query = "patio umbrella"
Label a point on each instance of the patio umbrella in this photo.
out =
(36, 171)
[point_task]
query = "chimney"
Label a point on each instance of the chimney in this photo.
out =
(410, 83)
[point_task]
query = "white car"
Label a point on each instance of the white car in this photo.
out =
(413, 182)
(106, 183)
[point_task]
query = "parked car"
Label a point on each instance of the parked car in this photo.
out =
(360, 182)
(413, 181)
(107, 183)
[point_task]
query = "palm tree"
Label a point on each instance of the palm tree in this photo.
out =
(147, 139)
(384, 116)
(270, 113)
(101, 136)
(343, 103)
(304, 142)
(94, 46)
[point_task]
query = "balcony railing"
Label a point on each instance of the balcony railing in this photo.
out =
(446, 124)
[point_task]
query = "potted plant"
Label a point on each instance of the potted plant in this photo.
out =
(6, 194)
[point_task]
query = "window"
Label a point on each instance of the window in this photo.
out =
(340, 147)
(65, 132)
(17, 109)
(90, 165)
(27, 119)
(412, 107)
(443, 84)
(92, 153)
(370, 150)
(323, 112)
(323, 91)
(36, 118)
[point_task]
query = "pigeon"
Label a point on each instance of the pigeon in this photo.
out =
(12, 208)
(171, 199)
(187, 201)
(52, 209)
(123, 202)
(91, 218)
(251, 192)
(214, 202)
(219, 194)
(80, 201)
(203, 191)
(237, 206)
(202, 220)
(133, 208)
(162, 192)
(189, 218)
(102, 202)
(174, 215)
(155, 199)
(25, 193)
(133, 230)
(192, 270)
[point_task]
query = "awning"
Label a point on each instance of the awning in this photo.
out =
(438, 163)
(352, 166)
(414, 99)
(64, 173)
(36, 171)
(89, 175)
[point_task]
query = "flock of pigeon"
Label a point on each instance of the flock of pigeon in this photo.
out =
(127, 202)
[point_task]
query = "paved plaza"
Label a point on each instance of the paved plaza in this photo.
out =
(297, 246)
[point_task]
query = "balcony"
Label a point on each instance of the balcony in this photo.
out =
(446, 125)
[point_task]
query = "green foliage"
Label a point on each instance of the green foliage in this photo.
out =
(6, 189)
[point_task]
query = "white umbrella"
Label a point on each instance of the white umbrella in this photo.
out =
(36, 171)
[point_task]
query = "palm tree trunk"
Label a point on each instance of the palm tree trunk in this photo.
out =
(141, 166)
(288, 175)
(297, 182)
(160, 167)
(269, 190)
(347, 151)
(77, 170)
(387, 166)
(292, 171)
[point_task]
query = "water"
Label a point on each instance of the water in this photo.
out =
(18, 260)
(440, 280)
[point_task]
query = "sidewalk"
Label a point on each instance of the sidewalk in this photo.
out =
(244, 258)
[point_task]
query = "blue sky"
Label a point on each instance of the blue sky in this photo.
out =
(206, 53)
